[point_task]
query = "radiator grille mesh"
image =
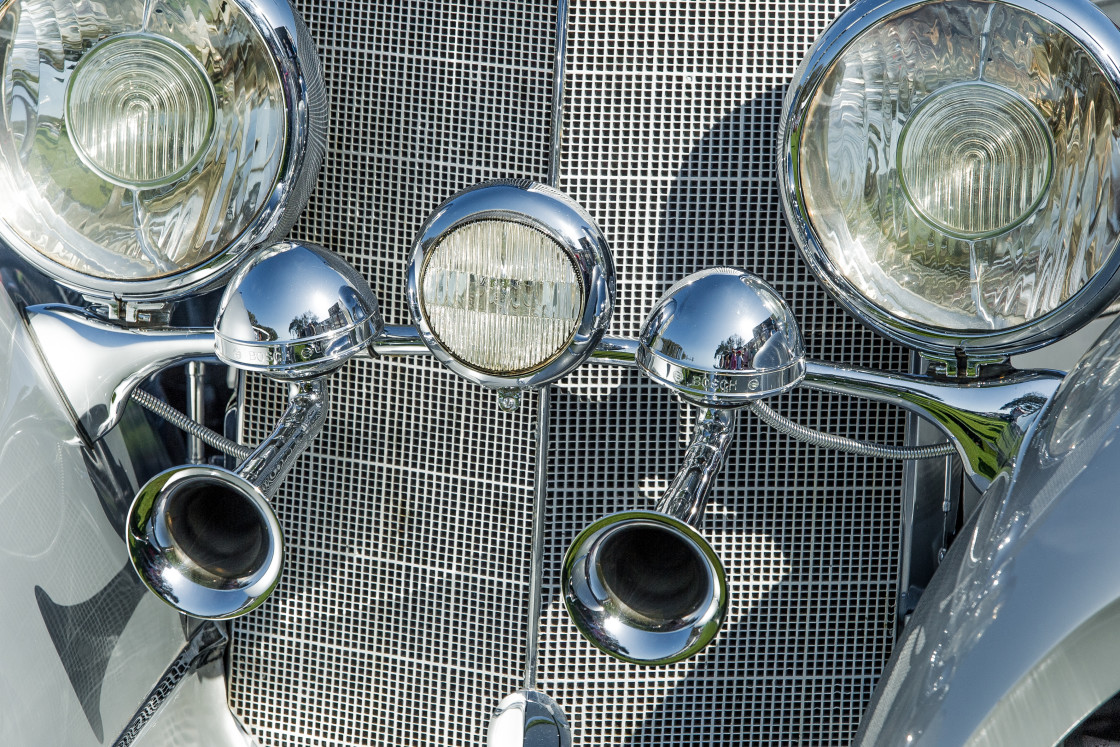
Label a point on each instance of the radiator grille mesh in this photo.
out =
(401, 616)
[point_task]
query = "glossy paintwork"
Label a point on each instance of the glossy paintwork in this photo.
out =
(1017, 637)
(63, 570)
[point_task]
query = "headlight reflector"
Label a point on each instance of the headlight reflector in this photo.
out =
(974, 160)
(139, 110)
(949, 169)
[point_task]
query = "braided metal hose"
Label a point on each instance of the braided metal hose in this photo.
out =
(183, 423)
(794, 430)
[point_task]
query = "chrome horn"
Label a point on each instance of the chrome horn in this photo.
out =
(645, 586)
(205, 539)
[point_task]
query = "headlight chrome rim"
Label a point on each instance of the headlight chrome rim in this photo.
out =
(299, 74)
(1098, 37)
(559, 218)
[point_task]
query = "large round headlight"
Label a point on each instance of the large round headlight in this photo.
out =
(511, 284)
(950, 169)
(145, 146)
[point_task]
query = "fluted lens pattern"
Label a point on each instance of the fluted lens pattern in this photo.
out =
(975, 159)
(501, 297)
(956, 165)
(139, 110)
(169, 147)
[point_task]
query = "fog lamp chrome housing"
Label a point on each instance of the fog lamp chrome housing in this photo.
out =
(511, 284)
(949, 170)
(722, 337)
(145, 147)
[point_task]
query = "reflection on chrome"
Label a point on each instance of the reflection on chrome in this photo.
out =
(205, 539)
(722, 338)
(528, 718)
(645, 586)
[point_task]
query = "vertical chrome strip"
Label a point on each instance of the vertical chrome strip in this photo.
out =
(208, 642)
(196, 404)
(536, 558)
(558, 68)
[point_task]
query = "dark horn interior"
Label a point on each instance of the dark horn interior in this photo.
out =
(218, 527)
(654, 573)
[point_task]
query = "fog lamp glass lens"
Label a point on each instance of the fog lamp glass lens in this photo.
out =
(956, 166)
(501, 297)
(146, 153)
(975, 159)
(139, 110)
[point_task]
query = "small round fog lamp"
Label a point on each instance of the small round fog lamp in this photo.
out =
(511, 284)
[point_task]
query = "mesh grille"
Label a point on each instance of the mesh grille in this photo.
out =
(401, 616)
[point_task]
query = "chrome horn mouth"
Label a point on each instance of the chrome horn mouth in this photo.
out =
(645, 587)
(206, 541)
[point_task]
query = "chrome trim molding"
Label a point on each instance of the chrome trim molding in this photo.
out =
(528, 718)
(206, 644)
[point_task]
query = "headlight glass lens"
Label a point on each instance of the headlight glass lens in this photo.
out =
(139, 111)
(502, 297)
(957, 165)
(138, 139)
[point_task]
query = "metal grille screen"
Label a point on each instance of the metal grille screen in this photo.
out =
(401, 618)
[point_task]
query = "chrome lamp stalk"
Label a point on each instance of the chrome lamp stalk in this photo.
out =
(687, 496)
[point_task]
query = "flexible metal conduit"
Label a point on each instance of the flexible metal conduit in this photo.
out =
(784, 425)
(185, 424)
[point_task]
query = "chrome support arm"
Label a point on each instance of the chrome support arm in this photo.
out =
(687, 496)
(307, 409)
(986, 419)
(616, 351)
(397, 340)
(97, 363)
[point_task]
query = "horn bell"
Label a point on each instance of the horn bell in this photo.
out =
(644, 587)
(206, 541)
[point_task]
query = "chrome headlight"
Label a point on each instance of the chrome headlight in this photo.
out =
(145, 146)
(511, 284)
(950, 169)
